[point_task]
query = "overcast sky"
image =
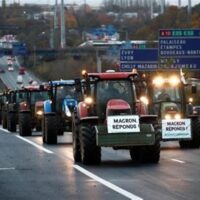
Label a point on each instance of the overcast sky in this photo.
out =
(91, 2)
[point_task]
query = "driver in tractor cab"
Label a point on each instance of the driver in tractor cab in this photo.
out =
(163, 95)
(110, 91)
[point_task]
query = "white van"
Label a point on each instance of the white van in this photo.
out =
(19, 79)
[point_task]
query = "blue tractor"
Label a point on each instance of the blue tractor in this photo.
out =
(58, 109)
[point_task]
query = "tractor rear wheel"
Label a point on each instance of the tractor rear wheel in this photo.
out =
(76, 139)
(50, 129)
(11, 121)
(195, 142)
(4, 119)
(25, 128)
(90, 152)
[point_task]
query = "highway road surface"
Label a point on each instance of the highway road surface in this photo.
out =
(31, 170)
(9, 78)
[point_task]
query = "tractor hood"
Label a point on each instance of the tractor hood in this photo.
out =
(117, 106)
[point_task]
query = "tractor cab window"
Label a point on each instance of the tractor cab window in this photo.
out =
(167, 94)
(39, 96)
(164, 97)
(20, 96)
(113, 89)
(65, 92)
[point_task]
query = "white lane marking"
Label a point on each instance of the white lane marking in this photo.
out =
(88, 173)
(107, 183)
(176, 160)
(7, 168)
(34, 144)
(5, 130)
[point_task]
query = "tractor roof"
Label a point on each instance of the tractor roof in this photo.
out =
(112, 75)
(63, 82)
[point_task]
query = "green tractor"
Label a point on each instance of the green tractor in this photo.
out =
(110, 116)
(167, 99)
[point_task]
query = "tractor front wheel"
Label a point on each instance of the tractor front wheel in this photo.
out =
(90, 152)
(195, 142)
(76, 139)
(50, 129)
(25, 128)
(11, 121)
(4, 119)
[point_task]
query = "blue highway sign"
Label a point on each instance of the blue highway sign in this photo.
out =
(177, 63)
(175, 47)
(19, 49)
(135, 55)
(140, 66)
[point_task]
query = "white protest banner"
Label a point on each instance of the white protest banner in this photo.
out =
(123, 124)
(176, 129)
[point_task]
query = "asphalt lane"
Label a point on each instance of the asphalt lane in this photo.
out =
(41, 175)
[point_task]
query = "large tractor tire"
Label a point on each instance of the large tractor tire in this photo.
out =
(90, 152)
(11, 122)
(76, 139)
(25, 124)
(4, 120)
(150, 154)
(0, 117)
(195, 142)
(50, 129)
(43, 130)
(60, 126)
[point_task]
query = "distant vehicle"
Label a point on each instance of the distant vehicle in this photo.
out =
(196, 110)
(13, 59)
(19, 79)
(9, 58)
(2, 70)
(11, 68)
(30, 81)
(10, 63)
(21, 70)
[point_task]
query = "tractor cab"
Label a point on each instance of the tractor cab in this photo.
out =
(167, 97)
(110, 93)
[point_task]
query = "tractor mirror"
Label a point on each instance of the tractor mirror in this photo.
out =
(194, 89)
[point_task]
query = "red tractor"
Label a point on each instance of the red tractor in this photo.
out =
(31, 109)
(111, 116)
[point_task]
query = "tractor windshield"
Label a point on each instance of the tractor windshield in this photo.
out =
(39, 96)
(67, 91)
(167, 93)
(165, 97)
(113, 89)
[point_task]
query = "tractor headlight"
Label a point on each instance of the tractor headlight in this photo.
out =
(174, 80)
(68, 113)
(39, 112)
(177, 116)
(144, 99)
(167, 116)
(88, 100)
(158, 81)
(190, 100)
